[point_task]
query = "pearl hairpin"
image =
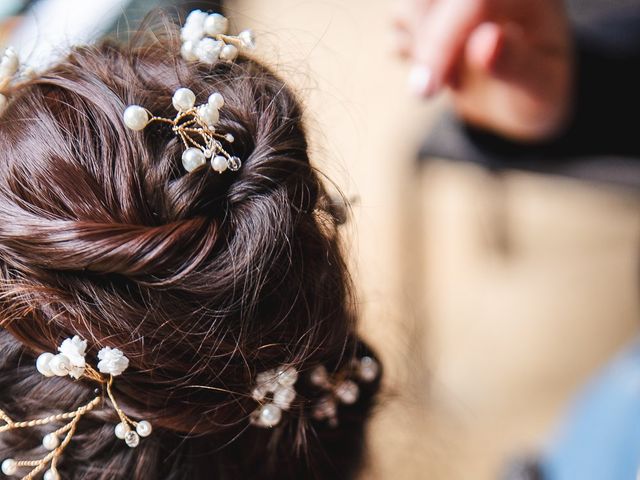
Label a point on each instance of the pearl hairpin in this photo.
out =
(71, 361)
(205, 39)
(274, 390)
(195, 125)
(341, 388)
(278, 384)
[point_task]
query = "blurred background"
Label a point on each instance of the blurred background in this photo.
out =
(492, 294)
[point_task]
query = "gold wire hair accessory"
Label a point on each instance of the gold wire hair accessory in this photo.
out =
(341, 388)
(195, 125)
(70, 361)
(205, 39)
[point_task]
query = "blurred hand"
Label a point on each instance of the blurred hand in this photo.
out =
(508, 63)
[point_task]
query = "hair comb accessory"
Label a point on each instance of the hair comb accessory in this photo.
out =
(71, 361)
(341, 387)
(275, 392)
(195, 125)
(205, 39)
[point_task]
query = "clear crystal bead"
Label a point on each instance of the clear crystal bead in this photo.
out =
(132, 439)
(234, 164)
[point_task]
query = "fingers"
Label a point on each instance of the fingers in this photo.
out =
(439, 43)
(504, 53)
(511, 85)
(484, 47)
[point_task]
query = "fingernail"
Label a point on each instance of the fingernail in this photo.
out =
(421, 81)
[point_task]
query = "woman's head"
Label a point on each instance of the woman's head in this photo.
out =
(201, 279)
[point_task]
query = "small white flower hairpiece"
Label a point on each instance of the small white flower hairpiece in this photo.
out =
(205, 39)
(341, 388)
(71, 361)
(195, 126)
(112, 361)
(275, 392)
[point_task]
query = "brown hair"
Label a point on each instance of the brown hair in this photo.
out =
(201, 279)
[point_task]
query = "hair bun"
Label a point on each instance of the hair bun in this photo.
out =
(202, 280)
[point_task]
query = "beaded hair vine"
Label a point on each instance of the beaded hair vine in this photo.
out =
(195, 126)
(204, 39)
(275, 392)
(71, 361)
(342, 387)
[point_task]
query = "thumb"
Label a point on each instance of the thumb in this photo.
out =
(439, 43)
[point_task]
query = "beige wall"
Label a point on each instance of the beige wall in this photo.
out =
(490, 300)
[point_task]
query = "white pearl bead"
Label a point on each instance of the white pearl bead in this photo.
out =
(208, 50)
(348, 392)
(369, 369)
(136, 117)
(132, 439)
(229, 138)
(121, 430)
(51, 441)
(42, 364)
(209, 114)
(144, 428)
(283, 397)
(183, 99)
(188, 51)
(219, 163)
(288, 376)
(193, 158)
(216, 24)
(248, 39)
(270, 415)
(60, 365)
(229, 53)
(51, 475)
(9, 467)
(216, 100)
